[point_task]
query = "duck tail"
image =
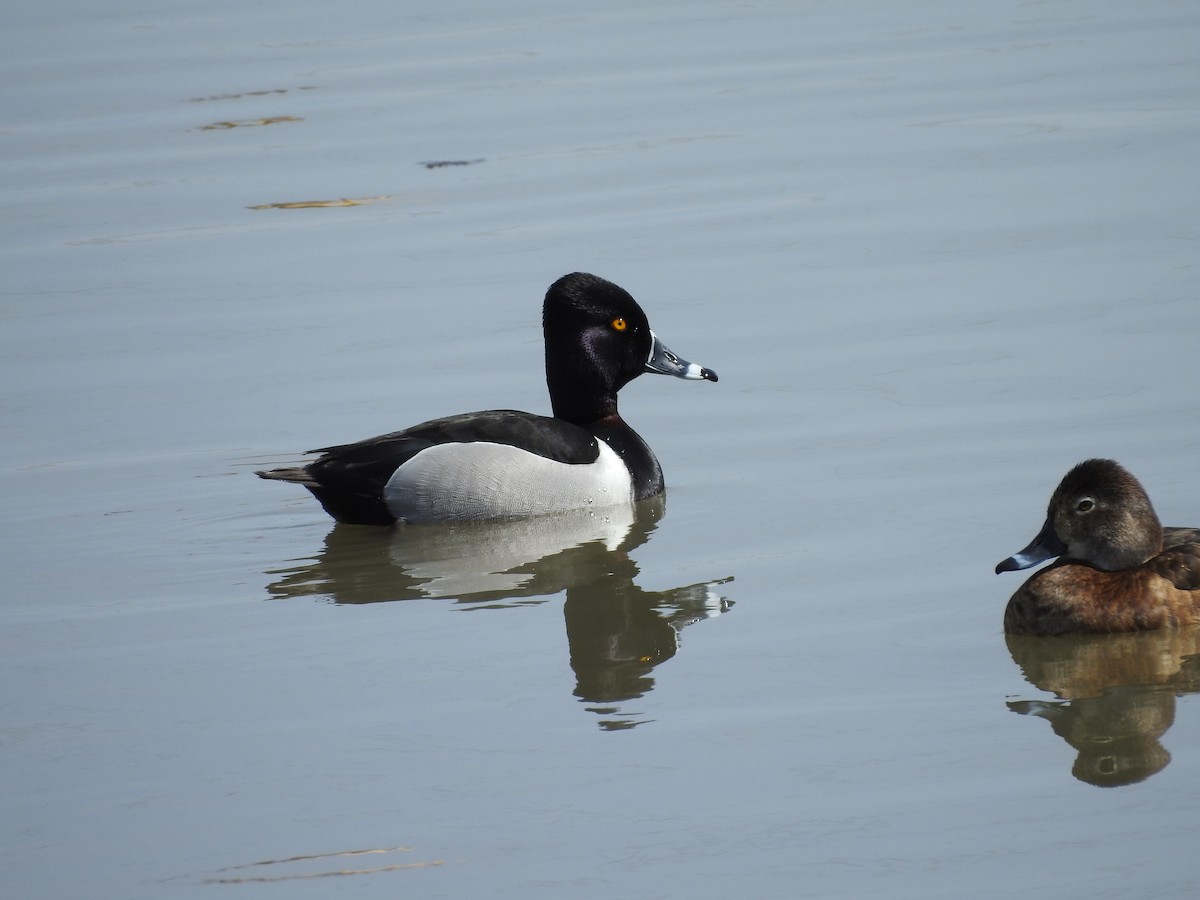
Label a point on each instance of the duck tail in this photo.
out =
(293, 475)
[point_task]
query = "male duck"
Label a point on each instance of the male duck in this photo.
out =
(501, 463)
(1120, 569)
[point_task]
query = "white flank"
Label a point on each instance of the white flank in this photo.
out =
(481, 480)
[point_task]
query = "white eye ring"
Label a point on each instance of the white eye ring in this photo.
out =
(1085, 505)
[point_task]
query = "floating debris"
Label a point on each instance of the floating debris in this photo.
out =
(443, 163)
(319, 204)
(267, 93)
(247, 123)
(244, 879)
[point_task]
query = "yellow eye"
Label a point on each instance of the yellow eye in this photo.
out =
(619, 324)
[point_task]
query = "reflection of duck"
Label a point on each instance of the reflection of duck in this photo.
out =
(617, 631)
(1116, 696)
(498, 463)
(1120, 569)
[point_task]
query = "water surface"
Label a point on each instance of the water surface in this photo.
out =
(938, 253)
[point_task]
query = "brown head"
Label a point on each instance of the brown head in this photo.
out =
(1100, 515)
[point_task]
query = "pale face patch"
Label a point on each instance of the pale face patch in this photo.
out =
(481, 480)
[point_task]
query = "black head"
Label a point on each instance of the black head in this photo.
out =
(597, 341)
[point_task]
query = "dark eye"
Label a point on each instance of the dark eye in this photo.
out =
(619, 324)
(1085, 505)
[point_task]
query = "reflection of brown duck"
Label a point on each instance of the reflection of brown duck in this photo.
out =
(1116, 696)
(1120, 570)
(617, 631)
(1116, 736)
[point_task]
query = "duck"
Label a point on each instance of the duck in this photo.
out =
(505, 463)
(1117, 568)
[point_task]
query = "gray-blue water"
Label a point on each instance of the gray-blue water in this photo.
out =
(938, 253)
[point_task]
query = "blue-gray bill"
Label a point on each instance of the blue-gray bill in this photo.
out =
(663, 362)
(1047, 545)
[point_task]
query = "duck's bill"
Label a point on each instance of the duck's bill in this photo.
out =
(664, 362)
(1047, 545)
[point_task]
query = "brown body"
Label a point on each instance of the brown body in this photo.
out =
(1119, 569)
(1073, 598)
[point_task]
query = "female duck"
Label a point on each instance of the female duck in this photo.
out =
(1120, 569)
(500, 463)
